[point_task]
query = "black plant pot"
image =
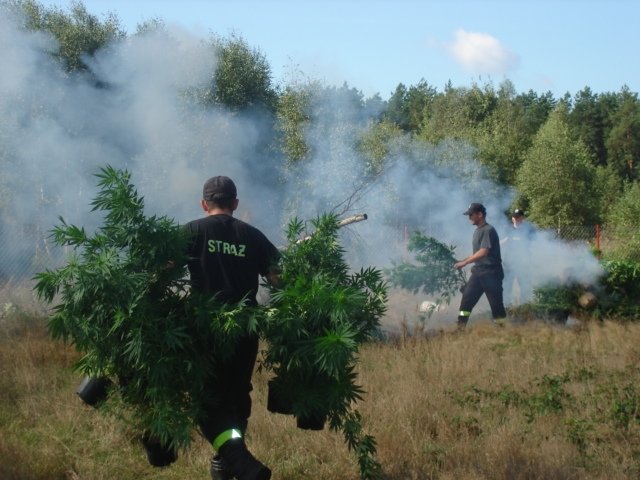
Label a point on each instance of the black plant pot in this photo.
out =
(158, 455)
(277, 401)
(93, 391)
(312, 422)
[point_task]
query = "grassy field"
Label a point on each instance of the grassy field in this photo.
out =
(531, 401)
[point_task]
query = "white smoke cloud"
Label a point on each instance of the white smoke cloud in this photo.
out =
(481, 53)
(57, 130)
(542, 259)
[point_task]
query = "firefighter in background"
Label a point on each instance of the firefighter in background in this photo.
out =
(516, 247)
(486, 273)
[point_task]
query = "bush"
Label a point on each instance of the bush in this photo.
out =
(620, 289)
(618, 293)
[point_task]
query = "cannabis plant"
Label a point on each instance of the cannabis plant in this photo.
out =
(432, 273)
(319, 315)
(123, 302)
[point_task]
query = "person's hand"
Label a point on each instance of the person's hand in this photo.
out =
(459, 265)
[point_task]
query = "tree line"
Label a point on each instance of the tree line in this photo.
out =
(571, 160)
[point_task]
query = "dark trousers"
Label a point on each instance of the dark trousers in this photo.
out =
(489, 283)
(227, 405)
(232, 388)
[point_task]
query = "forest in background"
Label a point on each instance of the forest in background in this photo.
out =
(569, 161)
(572, 160)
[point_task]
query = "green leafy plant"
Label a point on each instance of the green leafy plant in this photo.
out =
(549, 397)
(433, 274)
(552, 397)
(621, 289)
(578, 431)
(625, 407)
(320, 313)
(555, 302)
(122, 300)
(618, 294)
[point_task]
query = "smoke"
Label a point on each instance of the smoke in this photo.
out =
(132, 110)
(423, 188)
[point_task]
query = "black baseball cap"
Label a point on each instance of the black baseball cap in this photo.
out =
(475, 208)
(517, 213)
(219, 188)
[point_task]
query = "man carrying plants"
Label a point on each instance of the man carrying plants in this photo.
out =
(486, 274)
(226, 258)
(181, 351)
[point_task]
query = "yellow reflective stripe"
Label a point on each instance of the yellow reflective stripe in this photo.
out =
(464, 313)
(224, 436)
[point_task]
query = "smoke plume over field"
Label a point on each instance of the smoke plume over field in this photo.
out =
(130, 111)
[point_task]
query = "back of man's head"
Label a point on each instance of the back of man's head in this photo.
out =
(219, 191)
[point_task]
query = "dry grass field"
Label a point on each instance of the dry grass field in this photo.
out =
(531, 401)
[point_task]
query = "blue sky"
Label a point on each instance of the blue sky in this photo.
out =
(543, 45)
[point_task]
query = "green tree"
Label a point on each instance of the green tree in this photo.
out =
(459, 113)
(479, 103)
(311, 113)
(376, 143)
(374, 107)
(242, 79)
(408, 108)
(535, 110)
(396, 107)
(609, 187)
(502, 138)
(447, 118)
(626, 210)
(344, 104)
(78, 33)
(623, 223)
(557, 177)
(623, 141)
(293, 117)
(587, 121)
(155, 24)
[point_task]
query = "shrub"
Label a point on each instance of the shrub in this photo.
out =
(620, 289)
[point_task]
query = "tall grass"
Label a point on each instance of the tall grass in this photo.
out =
(522, 402)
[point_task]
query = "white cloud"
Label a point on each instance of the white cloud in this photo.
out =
(481, 53)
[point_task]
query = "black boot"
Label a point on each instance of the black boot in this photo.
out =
(462, 322)
(239, 463)
(218, 470)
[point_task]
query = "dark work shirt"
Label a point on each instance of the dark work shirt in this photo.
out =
(487, 237)
(227, 256)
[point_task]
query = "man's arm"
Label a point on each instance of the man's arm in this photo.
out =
(482, 252)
